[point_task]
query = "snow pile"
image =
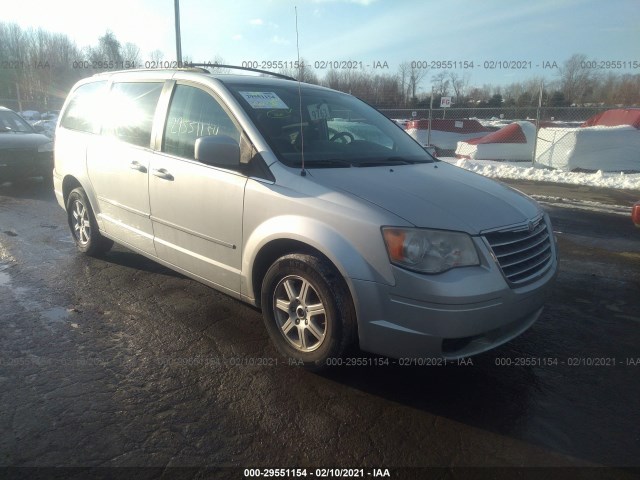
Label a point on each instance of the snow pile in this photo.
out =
(493, 122)
(501, 122)
(445, 133)
(511, 142)
(525, 171)
(614, 148)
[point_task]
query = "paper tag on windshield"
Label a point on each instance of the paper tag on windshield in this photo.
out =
(264, 100)
(319, 111)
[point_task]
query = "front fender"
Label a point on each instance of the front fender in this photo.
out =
(347, 257)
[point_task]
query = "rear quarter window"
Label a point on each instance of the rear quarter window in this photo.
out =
(84, 110)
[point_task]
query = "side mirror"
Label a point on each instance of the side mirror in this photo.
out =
(218, 150)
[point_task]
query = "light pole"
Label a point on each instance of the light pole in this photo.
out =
(176, 4)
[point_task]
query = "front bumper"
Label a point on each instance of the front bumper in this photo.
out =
(25, 164)
(459, 313)
(57, 189)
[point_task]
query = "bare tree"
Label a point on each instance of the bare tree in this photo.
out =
(416, 75)
(47, 65)
(512, 93)
(304, 72)
(576, 81)
(404, 72)
(108, 51)
(531, 91)
(13, 49)
(156, 56)
(131, 54)
(387, 92)
(628, 90)
(459, 84)
(409, 78)
(380, 90)
(441, 83)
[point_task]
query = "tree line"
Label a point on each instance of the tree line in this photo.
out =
(37, 69)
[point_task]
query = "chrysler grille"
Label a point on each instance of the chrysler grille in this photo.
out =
(524, 253)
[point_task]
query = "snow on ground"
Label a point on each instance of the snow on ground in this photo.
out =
(501, 122)
(575, 204)
(525, 171)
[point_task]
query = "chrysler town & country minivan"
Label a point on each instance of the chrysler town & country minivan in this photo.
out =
(307, 203)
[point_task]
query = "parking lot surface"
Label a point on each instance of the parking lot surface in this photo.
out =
(118, 361)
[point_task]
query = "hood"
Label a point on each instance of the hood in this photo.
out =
(434, 195)
(19, 140)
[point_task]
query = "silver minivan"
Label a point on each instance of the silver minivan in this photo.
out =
(307, 203)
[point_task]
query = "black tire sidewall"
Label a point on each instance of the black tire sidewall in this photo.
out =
(93, 245)
(332, 294)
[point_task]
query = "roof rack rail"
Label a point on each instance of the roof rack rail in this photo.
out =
(184, 67)
(235, 67)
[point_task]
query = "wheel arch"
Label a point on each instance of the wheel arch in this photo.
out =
(277, 248)
(294, 234)
(68, 185)
(70, 182)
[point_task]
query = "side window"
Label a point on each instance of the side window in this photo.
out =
(194, 113)
(131, 107)
(85, 110)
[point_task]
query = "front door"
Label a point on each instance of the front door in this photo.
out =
(196, 209)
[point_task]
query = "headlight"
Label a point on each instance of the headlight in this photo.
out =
(429, 251)
(46, 147)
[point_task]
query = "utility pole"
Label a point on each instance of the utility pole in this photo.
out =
(535, 139)
(430, 117)
(176, 4)
(18, 96)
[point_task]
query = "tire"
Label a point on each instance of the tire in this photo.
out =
(83, 225)
(307, 310)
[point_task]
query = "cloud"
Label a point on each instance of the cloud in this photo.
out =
(259, 22)
(237, 36)
(278, 40)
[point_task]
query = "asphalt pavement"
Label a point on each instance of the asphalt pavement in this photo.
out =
(120, 362)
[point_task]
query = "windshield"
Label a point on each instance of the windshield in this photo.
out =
(333, 129)
(12, 122)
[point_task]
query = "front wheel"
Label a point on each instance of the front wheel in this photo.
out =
(83, 225)
(307, 310)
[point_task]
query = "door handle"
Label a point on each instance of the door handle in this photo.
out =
(162, 173)
(135, 165)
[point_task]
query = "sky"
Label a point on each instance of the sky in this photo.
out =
(374, 35)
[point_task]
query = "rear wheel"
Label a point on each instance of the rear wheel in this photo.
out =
(307, 310)
(83, 225)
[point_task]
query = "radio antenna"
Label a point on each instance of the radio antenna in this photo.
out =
(302, 170)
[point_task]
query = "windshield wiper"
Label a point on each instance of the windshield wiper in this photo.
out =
(390, 161)
(332, 162)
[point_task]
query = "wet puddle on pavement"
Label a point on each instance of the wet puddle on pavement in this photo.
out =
(55, 314)
(25, 297)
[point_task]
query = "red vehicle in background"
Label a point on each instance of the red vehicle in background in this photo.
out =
(635, 214)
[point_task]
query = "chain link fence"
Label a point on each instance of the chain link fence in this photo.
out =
(566, 138)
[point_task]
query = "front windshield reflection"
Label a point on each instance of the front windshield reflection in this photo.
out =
(331, 128)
